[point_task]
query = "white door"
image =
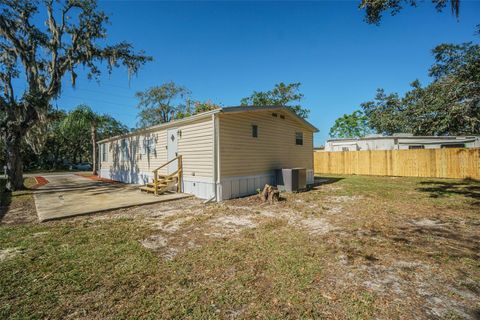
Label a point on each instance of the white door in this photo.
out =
(172, 149)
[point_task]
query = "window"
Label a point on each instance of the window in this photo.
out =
(148, 145)
(299, 138)
(254, 131)
(345, 149)
(104, 152)
(416, 147)
(123, 150)
(274, 115)
(453, 145)
(282, 117)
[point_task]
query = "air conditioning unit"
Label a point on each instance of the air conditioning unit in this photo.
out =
(291, 179)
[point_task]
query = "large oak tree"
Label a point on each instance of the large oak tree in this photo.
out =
(449, 105)
(39, 54)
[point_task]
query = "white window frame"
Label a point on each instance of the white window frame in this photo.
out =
(148, 145)
(124, 145)
(104, 152)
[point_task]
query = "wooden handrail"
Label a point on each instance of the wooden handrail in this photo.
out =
(179, 172)
(163, 165)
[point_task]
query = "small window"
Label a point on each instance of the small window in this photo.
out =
(104, 152)
(282, 116)
(453, 145)
(274, 115)
(255, 131)
(345, 149)
(124, 150)
(299, 138)
(416, 147)
(148, 145)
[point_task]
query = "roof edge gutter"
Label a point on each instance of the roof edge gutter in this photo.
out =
(162, 126)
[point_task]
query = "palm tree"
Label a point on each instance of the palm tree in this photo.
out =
(81, 117)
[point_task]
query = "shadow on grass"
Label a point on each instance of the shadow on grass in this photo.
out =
(442, 240)
(17, 207)
(320, 181)
(5, 198)
(439, 189)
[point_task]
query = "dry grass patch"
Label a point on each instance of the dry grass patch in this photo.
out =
(352, 248)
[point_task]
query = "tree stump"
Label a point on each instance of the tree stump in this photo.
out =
(270, 194)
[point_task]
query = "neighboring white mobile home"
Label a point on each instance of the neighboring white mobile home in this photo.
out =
(401, 141)
(226, 153)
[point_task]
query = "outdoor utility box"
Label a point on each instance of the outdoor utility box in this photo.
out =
(291, 180)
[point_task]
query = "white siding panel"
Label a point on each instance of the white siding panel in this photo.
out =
(195, 144)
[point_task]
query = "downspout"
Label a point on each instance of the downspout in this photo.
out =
(217, 161)
(216, 171)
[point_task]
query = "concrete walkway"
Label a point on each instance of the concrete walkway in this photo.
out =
(68, 195)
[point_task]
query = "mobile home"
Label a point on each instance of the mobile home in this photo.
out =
(226, 153)
(401, 141)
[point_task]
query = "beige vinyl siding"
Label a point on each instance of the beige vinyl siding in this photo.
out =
(195, 144)
(196, 147)
(243, 155)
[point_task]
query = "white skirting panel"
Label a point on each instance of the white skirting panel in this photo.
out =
(234, 187)
(203, 188)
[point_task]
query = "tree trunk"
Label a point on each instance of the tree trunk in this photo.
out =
(56, 156)
(75, 157)
(94, 150)
(14, 161)
(270, 194)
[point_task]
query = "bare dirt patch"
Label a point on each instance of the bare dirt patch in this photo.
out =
(230, 225)
(316, 225)
(425, 222)
(342, 199)
(8, 253)
(154, 242)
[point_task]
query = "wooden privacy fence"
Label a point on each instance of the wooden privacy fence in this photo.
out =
(434, 163)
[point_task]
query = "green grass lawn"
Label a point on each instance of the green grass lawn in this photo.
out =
(358, 248)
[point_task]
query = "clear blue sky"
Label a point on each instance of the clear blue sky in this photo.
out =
(225, 50)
